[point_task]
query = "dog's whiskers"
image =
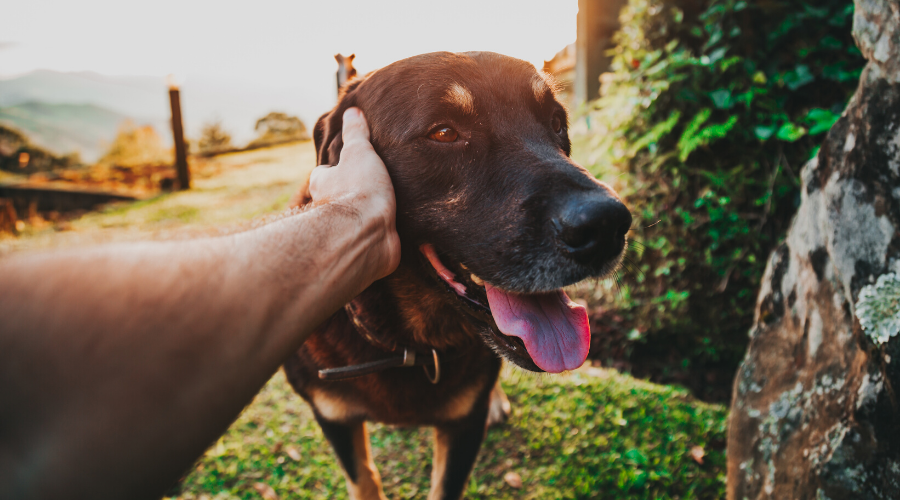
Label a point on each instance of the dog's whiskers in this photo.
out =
(633, 268)
(618, 282)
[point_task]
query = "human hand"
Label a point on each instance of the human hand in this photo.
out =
(360, 182)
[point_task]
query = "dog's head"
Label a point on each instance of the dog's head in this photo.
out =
(488, 200)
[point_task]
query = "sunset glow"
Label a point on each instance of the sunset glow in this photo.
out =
(277, 43)
(273, 38)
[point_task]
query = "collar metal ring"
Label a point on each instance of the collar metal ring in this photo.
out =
(437, 369)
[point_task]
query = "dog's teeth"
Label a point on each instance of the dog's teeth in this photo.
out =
(464, 267)
(478, 281)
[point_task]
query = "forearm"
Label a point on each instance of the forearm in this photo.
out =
(157, 347)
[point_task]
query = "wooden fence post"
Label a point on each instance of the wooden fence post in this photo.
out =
(181, 166)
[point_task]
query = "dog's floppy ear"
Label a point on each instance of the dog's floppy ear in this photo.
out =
(302, 197)
(319, 135)
(327, 132)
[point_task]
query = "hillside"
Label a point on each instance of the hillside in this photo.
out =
(129, 96)
(204, 99)
(65, 128)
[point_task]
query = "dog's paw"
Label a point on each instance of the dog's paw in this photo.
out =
(499, 411)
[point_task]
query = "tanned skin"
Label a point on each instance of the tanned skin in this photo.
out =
(119, 365)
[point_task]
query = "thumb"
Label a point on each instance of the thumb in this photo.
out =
(355, 127)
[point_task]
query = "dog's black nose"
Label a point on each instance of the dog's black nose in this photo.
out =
(592, 228)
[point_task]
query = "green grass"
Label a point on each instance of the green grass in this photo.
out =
(590, 434)
(181, 213)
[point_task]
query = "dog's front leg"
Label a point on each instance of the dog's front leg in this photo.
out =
(351, 444)
(499, 409)
(455, 450)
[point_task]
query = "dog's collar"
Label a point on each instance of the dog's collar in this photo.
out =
(356, 315)
(408, 358)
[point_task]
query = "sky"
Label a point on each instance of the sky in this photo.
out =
(269, 43)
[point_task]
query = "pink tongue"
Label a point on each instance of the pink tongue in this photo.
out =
(554, 329)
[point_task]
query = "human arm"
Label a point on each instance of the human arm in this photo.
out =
(120, 364)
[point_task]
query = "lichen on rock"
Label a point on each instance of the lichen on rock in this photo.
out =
(878, 308)
(814, 414)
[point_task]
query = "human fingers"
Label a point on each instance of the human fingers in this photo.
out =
(355, 127)
(360, 171)
(355, 137)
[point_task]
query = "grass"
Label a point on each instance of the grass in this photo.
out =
(228, 191)
(589, 434)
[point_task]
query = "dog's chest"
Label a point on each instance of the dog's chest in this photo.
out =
(397, 396)
(398, 402)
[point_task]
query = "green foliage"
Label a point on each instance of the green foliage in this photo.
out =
(704, 122)
(878, 308)
(591, 434)
(695, 135)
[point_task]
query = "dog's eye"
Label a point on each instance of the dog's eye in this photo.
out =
(556, 124)
(443, 134)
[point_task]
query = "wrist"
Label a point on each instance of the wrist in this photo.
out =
(374, 227)
(375, 217)
(331, 251)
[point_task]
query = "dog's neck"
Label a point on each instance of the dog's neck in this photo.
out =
(404, 310)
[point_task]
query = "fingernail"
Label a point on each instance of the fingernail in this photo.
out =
(351, 113)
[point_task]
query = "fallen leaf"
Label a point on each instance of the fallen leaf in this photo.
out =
(513, 479)
(265, 491)
(277, 447)
(293, 453)
(697, 454)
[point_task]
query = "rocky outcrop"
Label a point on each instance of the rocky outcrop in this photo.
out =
(815, 412)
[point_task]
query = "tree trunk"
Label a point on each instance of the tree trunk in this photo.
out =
(814, 413)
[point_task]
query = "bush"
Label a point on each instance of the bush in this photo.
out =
(214, 138)
(136, 146)
(703, 125)
(277, 128)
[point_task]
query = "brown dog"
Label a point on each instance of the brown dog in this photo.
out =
(494, 218)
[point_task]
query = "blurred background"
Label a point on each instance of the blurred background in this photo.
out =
(101, 62)
(701, 113)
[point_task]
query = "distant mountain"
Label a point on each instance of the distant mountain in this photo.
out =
(65, 128)
(237, 105)
(128, 96)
